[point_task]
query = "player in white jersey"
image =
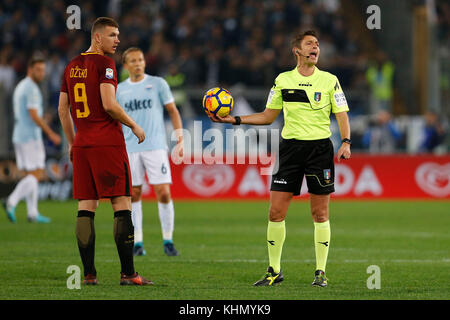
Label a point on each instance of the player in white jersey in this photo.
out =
(28, 144)
(144, 98)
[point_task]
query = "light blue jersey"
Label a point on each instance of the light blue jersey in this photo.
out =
(27, 95)
(144, 101)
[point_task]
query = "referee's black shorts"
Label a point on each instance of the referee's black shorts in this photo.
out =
(311, 158)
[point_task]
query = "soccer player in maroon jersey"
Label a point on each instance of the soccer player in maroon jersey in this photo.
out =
(97, 150)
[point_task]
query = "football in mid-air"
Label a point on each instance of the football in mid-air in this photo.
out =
(218, 101)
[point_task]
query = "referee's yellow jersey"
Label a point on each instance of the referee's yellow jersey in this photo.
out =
(307, 103)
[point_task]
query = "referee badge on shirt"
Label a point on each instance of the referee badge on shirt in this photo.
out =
(109, 73)
(317, 96)
(327, 175)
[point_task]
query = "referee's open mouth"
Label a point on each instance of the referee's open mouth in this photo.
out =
(313, 54)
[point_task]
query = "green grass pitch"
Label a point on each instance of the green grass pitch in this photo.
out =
(223, 252)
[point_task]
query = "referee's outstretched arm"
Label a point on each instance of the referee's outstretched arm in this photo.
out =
(261, 118)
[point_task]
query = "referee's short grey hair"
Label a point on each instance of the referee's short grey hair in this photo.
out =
(300, 36)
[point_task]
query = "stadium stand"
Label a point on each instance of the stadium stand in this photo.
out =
(195, 44)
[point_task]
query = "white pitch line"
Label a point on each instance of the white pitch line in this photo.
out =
(298, 261)
(445, 260)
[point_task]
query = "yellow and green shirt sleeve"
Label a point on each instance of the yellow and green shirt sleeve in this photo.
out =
(275, 99)
(338, 100)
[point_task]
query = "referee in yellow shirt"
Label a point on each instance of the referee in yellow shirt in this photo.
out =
(307, 97)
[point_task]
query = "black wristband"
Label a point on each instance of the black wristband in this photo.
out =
(345, 140)
(238, 120)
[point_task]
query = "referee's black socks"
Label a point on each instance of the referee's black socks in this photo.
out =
(124, 237)
(85, 232)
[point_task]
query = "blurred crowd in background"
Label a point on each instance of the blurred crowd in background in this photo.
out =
(206, 43)
(229, 41)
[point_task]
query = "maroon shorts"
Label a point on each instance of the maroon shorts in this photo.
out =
(100, 172)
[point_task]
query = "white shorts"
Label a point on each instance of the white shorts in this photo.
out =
(154, 162)
(30, 155)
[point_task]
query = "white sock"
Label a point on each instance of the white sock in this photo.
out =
(166, 217)
(23, 188)
(136, 216)
(32, 199)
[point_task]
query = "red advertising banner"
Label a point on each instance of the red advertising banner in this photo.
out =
(363, 176)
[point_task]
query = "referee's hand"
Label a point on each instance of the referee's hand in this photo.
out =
(226, 119)
(344, 152)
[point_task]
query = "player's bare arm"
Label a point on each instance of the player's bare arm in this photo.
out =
(113, 108)
(66, 120)
(177, 124)
(266, 117)
(52, 135)
(344, 129)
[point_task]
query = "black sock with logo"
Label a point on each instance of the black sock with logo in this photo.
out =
(124, 237)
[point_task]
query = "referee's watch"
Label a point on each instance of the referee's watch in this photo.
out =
(345, 140)
(238, 121)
